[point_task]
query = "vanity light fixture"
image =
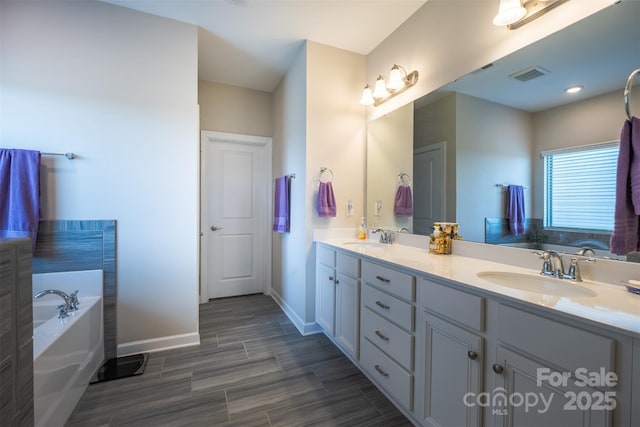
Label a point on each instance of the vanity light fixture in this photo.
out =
(516, 13)
(399, 81)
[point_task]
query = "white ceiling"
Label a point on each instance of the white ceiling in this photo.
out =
(251, 43)
(598, 52)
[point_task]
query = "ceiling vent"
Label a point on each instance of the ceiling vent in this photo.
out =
(529, 74)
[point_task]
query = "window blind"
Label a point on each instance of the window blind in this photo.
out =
(580, 187)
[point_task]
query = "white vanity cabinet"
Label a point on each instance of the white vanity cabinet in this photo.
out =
(450, 356)
(484, 361)
(326, 288)
(548, 362)
(338, 297)
(387, 318)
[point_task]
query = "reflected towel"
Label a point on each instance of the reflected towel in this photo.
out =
(20, 193)
(626, 227)
(281, 213)
(403, 204)
(326, 200)
(515, 209)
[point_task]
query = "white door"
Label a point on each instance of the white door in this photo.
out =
(236, 215)
(429, 182)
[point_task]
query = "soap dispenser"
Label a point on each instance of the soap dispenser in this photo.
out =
(362, 231)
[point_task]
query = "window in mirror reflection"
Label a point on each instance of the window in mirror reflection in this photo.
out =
(580, 187)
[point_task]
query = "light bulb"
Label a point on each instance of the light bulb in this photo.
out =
(509, 12)
(367, 96)
(380, 89)
(396, 78)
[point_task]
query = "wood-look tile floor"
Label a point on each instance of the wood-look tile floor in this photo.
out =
(252, 368)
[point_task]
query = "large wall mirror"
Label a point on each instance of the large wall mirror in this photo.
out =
(460, 145)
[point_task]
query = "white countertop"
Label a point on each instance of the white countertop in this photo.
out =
(613, 306)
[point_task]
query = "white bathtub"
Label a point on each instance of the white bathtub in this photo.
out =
(66, 352)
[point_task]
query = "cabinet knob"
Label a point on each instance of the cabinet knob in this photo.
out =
(331, 278)
(472, 355)
(337, 282)
(498, 369)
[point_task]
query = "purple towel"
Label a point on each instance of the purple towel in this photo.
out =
(626, 227)
(281, 213)
(403, 204)
(515, 209)
(326, 200)
(19, 193)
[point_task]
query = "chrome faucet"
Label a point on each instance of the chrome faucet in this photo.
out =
(584, 250)
(552, 265)
(70, 301)
(557, 268)
(403, 230)
(386, 236)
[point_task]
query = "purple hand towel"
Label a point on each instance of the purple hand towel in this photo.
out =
(515, 209)
(626, 227)
(326, 200)
(281, 213)
(403, 204)
(19, 193)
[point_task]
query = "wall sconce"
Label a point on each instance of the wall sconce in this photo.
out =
(383, 90)
(514, 13)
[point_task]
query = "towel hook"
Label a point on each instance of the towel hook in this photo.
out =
(627, 92)
(401, 178)
(323, 170)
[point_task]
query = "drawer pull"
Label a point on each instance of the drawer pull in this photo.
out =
(381, 371)
(497, 368)
(472, 355)
(382, 305)
(383, 279)
(382, 336)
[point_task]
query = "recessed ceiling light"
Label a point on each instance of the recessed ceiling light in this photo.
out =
(573, 89)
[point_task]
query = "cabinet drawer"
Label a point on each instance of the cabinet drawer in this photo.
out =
(348, 264)
(561, 344)
(389, 307)
(388, 374)
(460, 306)
(388, 337)
(390, 280)
(326, 256)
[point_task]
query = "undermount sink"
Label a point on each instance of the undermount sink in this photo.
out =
(537, 284)
(365, 245)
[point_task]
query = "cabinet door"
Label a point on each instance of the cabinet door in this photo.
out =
(520, 399)
(325, 297)
(347, 313)
(451, 360)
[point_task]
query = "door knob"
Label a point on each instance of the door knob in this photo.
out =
(214, 228)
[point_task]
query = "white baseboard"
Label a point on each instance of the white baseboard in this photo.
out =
(158, 344)
(305, 328)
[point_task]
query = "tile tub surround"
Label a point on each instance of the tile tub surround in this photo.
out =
(613, 307)
(252, 367)
(16, 349)
(77, 245)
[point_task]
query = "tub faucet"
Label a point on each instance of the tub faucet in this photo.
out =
(70, 301)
